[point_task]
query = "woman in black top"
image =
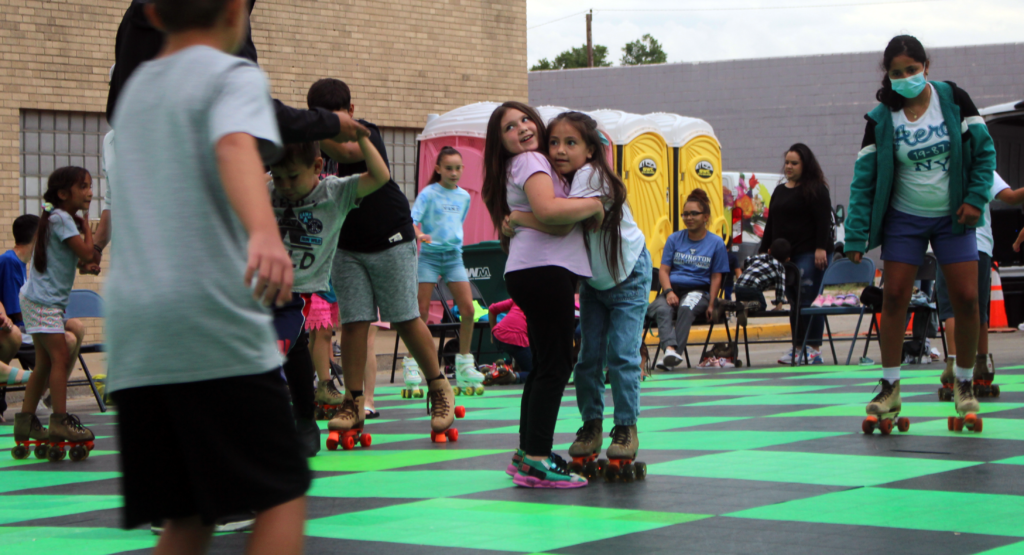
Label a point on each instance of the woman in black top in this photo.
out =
(801, 213)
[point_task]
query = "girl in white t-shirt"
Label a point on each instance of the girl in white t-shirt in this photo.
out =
(63, 241)
(541, 274)
(613, 302)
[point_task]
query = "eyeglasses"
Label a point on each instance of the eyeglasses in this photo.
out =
(692, 214)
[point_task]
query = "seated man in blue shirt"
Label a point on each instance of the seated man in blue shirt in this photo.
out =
(12, 277)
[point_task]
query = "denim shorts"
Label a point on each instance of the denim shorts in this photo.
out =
(905, 239)
(446, 264)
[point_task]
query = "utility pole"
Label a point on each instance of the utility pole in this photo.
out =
(590, 41)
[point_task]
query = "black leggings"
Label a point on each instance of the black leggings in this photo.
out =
(545, 295)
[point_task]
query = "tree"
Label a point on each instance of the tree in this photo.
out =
(573, 58)
(646, 50)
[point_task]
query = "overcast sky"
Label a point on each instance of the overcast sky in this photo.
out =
(730, 33)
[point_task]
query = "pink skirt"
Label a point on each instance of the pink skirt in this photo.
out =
(321, 315)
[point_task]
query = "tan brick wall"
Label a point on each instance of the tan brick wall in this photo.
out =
(403, 59)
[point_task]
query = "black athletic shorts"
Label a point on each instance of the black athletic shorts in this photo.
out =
(211, 448)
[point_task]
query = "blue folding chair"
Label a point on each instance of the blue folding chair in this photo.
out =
(841, 272)
(84, 303)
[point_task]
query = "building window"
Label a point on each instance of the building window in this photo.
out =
(51, 140)
(401, 147)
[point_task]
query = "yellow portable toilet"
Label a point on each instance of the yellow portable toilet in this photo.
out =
(641, 160)
(696, 158)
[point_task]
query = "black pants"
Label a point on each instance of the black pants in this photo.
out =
(293, 340)
(545, 295)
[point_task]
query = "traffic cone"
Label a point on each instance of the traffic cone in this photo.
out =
(997, 306)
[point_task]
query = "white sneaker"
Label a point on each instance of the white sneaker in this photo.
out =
(813, 356)
(787, 358)
(671, 359)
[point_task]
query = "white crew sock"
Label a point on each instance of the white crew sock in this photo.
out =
(891, 374)
(964, 374)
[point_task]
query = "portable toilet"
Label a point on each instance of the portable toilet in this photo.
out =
(548, 113)
(464, 129)
(696, 160)
(641, 160)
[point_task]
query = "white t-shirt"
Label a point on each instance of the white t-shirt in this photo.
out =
(585, 184)
(983, 233)
(922, 162)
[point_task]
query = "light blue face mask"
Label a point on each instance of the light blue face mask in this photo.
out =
(911, 86)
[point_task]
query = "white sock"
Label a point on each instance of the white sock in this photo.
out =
(891, 374)
(963, 374)
(952, 357)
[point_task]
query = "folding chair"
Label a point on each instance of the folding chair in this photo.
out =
(649, 321)
(839, 273)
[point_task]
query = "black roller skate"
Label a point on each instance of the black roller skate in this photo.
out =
(984, 375)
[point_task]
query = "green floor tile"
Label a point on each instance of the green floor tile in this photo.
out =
(911, 409)
(359, 460)
(993, 428)
(656, 424)
(869, 373)
(524, 527)
(718, 440)
(1011, 460)
(807, 468)
(21, 508)
(735, 390)
(566, 411)
(16, 480)
(699, 382)
(412, 484)
(80, 541)
(660, 375)
(797, 399)
(481, 401)
(970, 513)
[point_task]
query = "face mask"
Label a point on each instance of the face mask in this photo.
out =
(911, 86)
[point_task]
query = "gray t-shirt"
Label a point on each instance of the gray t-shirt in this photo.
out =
(53, 287)
(310, 228)
(178, 309)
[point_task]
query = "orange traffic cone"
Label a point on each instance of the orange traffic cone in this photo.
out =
(997, 306)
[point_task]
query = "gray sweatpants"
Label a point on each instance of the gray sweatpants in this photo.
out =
(674, 323)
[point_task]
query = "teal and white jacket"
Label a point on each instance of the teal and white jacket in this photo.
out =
(972, 161)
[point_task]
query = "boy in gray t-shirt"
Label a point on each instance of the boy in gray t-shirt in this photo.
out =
(193, 363)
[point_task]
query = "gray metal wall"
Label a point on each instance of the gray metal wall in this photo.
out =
(760, 107)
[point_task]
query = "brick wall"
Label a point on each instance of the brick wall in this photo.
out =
(403, 59)
(759, 107)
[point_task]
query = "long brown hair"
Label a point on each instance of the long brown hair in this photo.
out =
(62, 179)
(902, 44)
(812, 178)
(445, 151)
(496, 161)
(616, 189)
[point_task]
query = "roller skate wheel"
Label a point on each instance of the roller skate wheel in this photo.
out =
(958, 424)
(438, 437)
(641, 470)
(457, 390)
(19, 452)
(41, 451)
(951, 423)
(611, 474)
(628, 473)
(78, 453)
(995, 391)
(591, 471)
(575, 467)
(453, 434)
(480, 390)
(602, 465)
(55, 454)
(405, 393)
(418, 394)
(903, 424)
(348, 442)
(460, 411)
(885, 426)
(977, 425)
(332, 441)
(365, 440)
(868, 425)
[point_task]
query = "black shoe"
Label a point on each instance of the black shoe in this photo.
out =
(309, 434)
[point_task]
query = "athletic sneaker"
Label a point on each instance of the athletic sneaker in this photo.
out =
(670, 359)
(552, 472)
(819, 302)
(787, 358)
(513, 467)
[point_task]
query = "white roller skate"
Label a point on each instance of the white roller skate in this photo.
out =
(468, 380)
(411, 375)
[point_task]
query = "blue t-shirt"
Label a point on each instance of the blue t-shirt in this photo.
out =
(693, 262)
(12, 277)
(440, 213)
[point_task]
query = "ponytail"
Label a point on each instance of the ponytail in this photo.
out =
(62, 179)
(445, 151)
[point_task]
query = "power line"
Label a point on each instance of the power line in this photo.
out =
(744, 9)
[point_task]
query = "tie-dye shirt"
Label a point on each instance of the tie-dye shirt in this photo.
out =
(440, 213)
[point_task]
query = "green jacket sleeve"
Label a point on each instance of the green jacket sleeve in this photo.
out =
(862, 193)
(983, 151)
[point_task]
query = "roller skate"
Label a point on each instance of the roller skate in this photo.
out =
(984, 374)
(947, 379)
(29, 436)
(585, 449)
(467, 380)
(621, 454)
(966, 409)
(328, 400)
(66, 430)
(499, 374)
(517, 459)
(346, 428)
(551, 472)
(442, 410)
(884, 410)
(411, 375)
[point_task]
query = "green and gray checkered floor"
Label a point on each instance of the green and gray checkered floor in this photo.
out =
(767, 460)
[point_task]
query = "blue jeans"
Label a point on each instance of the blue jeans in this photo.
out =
(809, 288)
(613, 325)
